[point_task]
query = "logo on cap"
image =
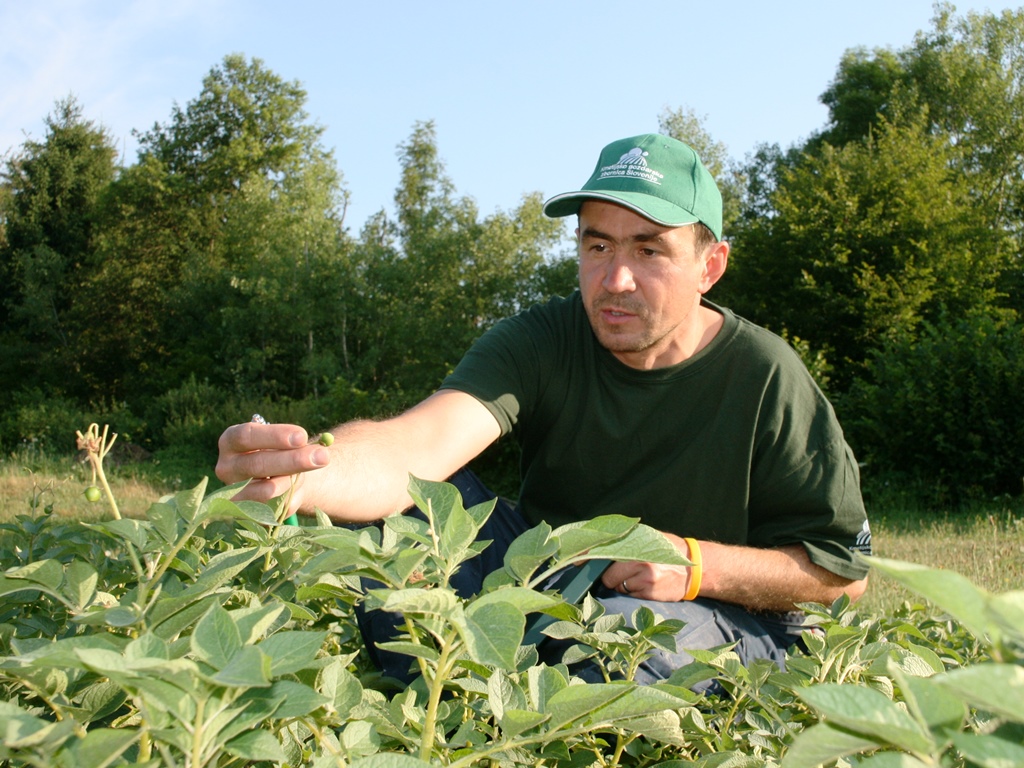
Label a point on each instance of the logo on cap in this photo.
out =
(632, 165)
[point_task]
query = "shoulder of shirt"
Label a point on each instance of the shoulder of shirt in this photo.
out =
(756, 340)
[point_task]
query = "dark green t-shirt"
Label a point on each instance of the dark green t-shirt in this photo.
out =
(737, 444)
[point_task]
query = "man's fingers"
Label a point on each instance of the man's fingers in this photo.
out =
(251, 436)
(271, 463)
(267, 451)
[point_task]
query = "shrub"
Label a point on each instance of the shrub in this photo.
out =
(945, 407)
(37, 420)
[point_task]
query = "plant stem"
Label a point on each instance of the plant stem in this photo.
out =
(434, 700)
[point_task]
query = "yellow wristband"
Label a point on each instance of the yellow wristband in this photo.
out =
(696, 571)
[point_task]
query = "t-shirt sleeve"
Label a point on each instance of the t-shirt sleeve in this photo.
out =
(498, 370)
(806, 483)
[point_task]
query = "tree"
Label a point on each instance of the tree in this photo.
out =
(438, 276)
(860, 95)
(232, 212)
(865, 242)
(966, 76)
(53, 188)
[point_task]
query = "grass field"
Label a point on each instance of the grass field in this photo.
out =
(984, 542)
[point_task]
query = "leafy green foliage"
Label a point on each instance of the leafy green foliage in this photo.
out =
(49, 218)
(206, 633)
(878, 237)
(208, 619)
(959, 383)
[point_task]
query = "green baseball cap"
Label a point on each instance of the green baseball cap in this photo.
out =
(658, 177)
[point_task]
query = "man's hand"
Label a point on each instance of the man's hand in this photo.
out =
(364, 474)
(651, 581)
(276, 455)
(759, 579)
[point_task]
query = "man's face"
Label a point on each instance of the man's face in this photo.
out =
(641, 285)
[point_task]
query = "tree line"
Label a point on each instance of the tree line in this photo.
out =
(215, 276)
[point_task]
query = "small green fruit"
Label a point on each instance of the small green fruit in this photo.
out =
(326, 438)
(93, 494)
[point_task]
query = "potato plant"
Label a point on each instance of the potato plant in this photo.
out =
(208, 633)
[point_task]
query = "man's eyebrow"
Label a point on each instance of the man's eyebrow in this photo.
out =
(640, 237)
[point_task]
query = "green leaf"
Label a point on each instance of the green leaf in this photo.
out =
(997, 688)
(525, 599)
(21, 730)
(342, 689)
(893, 760)
(224, 566)
(458, 535)
(1007, 612)
(256, 511)
(950, 591)
(98, 748)
(579, 701)
(249, 668)
(529, 551)
(868, 713)
(642, 544)
(216, 639)
(48, 573)
(63, 652)
(291, 651)
(80, 583)
(256, 745)
(409, 648)
(166, 521)
(930, 657)
(134, 532)
(147, 646)
(99, 700)
(544, 683)
(516, 721)
(503, 694)
(436, 499)
(822, 744)
(576, 538)
(254, 623)
(437, 602)
(637, 702)
(989, 751)
(493, 633)
(172, 615)
(189, 501)
(283, 700)
(360, 738)
(407, 562)
(930, 704)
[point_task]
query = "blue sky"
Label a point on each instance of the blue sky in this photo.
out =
(523, 94)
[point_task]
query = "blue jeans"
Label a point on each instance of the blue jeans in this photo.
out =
(708, 623)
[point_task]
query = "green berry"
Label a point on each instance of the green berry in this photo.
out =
(93, 494)
(326, 438)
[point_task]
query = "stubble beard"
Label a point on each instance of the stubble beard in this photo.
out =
(626, 341)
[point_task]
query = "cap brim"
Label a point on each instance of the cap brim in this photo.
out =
(654, 208)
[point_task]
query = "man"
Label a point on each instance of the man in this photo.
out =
(635, 396)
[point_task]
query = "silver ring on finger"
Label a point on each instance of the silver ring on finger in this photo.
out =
(624, 587)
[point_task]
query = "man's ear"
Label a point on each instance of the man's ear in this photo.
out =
(715, 261)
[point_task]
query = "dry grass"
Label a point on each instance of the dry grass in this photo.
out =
(986, 547)
(29, 487)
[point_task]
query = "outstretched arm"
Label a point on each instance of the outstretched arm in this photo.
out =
(364, 474)
(759, 579)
